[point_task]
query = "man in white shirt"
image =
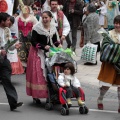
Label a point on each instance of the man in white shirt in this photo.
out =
(5, 67)
(60, 21)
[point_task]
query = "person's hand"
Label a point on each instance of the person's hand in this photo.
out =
(38, 46)
(3, 53)
(67, 84)
(60, 46)
(72, 11)
(47, 47)
(18, 45)
(63, 37)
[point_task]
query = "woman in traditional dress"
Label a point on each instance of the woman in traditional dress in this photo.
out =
(102, 13)
(108, 75)
(112, 12)
(44, 35)
(25, 24)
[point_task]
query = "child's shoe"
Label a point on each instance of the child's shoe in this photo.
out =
(100, 104)
(80, 102)
(69, 101)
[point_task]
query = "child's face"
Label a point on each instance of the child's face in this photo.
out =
(117, 27)
(67, 71)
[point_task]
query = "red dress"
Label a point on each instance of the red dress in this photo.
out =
(36, 84)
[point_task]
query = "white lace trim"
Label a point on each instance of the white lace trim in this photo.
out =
(30, 18)
(39, 28)
(42, 57)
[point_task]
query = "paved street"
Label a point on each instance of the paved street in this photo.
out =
(90, 84)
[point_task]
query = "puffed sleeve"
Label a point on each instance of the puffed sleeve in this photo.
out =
(55, 40)
(34, 40)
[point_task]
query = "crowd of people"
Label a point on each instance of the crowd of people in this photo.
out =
(38, 26)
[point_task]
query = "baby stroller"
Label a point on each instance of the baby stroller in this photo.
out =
(57, 94)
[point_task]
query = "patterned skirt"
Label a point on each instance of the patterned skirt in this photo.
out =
(36, 84)
(23, 51)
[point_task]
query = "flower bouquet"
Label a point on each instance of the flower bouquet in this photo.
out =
(10, 44)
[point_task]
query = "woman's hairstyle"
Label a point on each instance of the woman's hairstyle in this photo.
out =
(48, 13)
(117, 19)
(91, 7)
(71, 67)
(12, 19)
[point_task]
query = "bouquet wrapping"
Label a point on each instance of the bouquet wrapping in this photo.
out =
(58, 50)
(9, 44)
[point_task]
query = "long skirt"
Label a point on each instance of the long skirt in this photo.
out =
(108, 74)
(23, 51)
(15, 62)
(17, 67)
(36, 84)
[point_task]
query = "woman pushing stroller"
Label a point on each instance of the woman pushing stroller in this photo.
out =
(44, 35)
(70, 83)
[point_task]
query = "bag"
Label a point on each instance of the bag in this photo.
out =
(89, 52)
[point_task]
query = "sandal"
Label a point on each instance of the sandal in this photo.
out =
(100, 104)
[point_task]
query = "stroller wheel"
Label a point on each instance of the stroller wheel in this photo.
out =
(49, 106)
(86, 109)
(64, 111)
(67, 112)
(82, 110)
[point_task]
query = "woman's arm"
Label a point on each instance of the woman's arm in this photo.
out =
(34, 41)
(55, 41)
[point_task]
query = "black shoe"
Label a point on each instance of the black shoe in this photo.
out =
(87, 63)
(17, 105)
(36, 101)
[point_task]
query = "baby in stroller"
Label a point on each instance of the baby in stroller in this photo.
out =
(68, 81)
(62, 84)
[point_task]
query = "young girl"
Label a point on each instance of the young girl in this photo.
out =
(70, 83)
(12, 53)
